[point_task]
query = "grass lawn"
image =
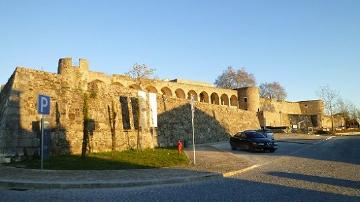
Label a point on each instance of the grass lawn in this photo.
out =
(132, 159)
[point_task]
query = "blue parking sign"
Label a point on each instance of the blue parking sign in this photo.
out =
(44, 104)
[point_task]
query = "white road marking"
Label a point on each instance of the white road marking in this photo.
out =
(232, 173)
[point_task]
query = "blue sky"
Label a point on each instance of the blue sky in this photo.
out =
(301, 44)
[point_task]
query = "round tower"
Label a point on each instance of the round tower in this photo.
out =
(249, 98)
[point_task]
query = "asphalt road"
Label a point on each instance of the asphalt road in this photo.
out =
(325, 171)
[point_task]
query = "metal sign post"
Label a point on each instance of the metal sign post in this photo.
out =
(192, 122)
(42, 142)
(43, 109)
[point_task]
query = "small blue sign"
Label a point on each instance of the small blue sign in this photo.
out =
(44, 104)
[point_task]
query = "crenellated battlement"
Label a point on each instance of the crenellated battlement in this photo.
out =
(74, 76)
(66, 66)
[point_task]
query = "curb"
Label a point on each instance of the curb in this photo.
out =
(8, 184)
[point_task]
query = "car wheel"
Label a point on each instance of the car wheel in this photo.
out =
(272, 150)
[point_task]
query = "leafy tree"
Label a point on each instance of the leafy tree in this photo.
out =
(329, 97)
(272, 90)
(232, 79)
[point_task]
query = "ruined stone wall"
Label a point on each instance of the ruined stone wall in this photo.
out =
(20, 132)
(339, 122)
(66, 118)
(303, 107)
(20, 122)
(276, 119)
(107, 103)
(280, 113)
(212, 122)
(106, 111)
(8, 110)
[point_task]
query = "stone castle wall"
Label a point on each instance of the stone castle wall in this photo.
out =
(107, 112)
(303, 107)
(74, 99)
(212, 123)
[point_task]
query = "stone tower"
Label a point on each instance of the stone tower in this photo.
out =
(249, 98)
(74, 76)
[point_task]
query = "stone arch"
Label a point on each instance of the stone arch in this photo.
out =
(166, 91)
(204, 97)
(117, 84)
(214, 98)
(135, 87)
(95, 80)
(151, 89)
(96, 84)
(192, 92)
(180, 93)
(224, 100)
(233, 100)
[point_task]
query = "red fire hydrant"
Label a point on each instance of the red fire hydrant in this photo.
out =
(180, 146)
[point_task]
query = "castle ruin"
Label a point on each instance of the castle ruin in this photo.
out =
(114, 112)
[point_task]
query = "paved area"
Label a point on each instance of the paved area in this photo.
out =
(324, 171)
(300, 138)
(212, 161)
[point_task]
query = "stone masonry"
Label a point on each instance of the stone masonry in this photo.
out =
(98, 112)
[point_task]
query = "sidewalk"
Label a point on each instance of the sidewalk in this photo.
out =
(210, 163)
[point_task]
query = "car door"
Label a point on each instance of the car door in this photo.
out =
(242, 141)
(236, 140)
(247, 141)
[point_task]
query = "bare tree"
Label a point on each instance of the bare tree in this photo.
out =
(272, 90)
(349, 112)
(141, 72)
(232, 79)
(329, 96)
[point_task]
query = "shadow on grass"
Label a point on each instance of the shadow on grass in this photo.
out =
(132, 159)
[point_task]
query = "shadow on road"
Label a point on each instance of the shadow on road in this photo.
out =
(339, 149)
(318, 179)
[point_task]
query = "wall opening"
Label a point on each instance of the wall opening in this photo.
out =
(166, 91)
(224, 100)
(180, 93)
(233, 101)
(214, 99)
(204, 97)
(192, 93)
(135, 111)
(125, 112)
(151, 89)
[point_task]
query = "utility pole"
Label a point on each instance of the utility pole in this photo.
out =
(192, 123)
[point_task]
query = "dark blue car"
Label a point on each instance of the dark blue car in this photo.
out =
(252, 141)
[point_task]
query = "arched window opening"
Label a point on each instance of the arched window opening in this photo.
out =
(180, 93)
(224, 100)
(214, 98)
(166, 91)
(204, 97)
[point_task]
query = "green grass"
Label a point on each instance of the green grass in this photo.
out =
(132, 159)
